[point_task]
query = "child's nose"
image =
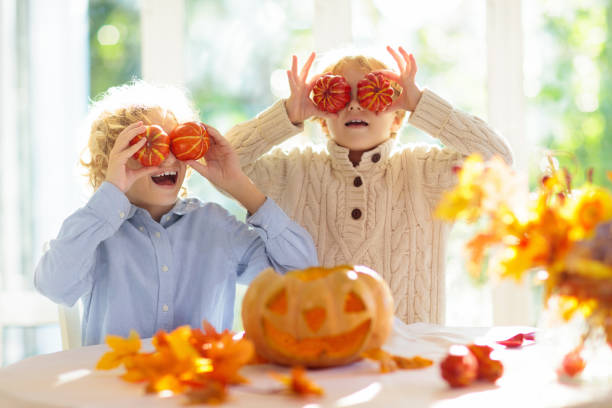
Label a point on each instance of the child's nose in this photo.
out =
(354, 105)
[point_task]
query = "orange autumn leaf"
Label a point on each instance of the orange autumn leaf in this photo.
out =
(122, 350)
(411, 363)
(186, 360)
(298, 383)
(227, 352)
(389, 362)
(384, 359)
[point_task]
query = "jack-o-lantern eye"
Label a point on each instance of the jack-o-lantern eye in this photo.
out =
(315, 318)
(278, 303)
(353, 303)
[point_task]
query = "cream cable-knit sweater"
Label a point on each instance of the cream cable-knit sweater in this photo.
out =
(377, 214)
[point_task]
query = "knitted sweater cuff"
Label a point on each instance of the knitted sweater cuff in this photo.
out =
(432, 113)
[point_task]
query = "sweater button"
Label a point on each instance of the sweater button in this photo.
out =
(356, 213)
(357, 182)
(376, 157)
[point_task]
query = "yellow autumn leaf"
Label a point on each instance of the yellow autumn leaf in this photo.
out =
(121, 349)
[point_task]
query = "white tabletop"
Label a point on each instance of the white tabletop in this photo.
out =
(67, 379)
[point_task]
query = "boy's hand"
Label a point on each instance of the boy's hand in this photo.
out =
(222, 168)
(299, 105)
(411, 94)
(118, 172)
(222, 164)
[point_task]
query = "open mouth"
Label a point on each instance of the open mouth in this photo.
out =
(356, 123)
(167, 178)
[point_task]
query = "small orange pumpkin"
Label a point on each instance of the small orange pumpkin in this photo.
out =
(317, 317)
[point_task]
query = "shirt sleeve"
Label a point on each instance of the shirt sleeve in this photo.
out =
(461, 132)
(65, 271)
(271, 239)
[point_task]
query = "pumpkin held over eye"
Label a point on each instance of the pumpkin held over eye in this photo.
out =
(331, 93)
(374, 92)
(189, 141)
(155, 149)
(317, 317)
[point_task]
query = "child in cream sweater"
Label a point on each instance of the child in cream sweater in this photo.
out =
(366, 200)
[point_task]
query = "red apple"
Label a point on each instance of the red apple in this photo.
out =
(460, 367)
(374, 92)
(573, 363)
(189, 141)
(331, 93)
(155, 150)
(489, 369)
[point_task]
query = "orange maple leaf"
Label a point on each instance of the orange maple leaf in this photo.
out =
(298, 383)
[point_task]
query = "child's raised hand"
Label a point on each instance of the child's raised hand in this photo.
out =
(222, 164)
(411, 94)
(299, 105)
(222, 168)
(118, 172)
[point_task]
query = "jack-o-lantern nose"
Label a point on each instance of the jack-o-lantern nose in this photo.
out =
(315, 318)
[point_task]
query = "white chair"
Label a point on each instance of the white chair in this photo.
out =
(70, 325)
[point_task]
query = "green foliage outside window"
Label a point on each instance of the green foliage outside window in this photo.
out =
(576, 85)
(114, 43)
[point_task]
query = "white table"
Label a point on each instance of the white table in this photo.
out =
(68, 379)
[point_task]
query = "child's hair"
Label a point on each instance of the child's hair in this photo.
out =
(367, 64)
(121, 106)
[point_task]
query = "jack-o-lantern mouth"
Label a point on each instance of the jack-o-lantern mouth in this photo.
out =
(337, 346)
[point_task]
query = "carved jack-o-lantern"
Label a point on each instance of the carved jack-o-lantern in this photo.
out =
(317, 317)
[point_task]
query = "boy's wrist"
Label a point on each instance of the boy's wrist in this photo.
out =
(246, 193)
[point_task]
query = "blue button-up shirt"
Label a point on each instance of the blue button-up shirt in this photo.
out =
(135, 273)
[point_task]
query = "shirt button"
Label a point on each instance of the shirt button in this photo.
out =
(376, 157)
(357, 182)
(157, 235)
(356, 213)
(165, 308)
(165, 268)
(140, 229)
(121, 214)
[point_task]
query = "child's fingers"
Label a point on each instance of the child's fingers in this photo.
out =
(217, 137)
(197, 166)
(129, 152)
(413, 66)
(291, 81)
(389, 75)
(294, 65)
(397, 58)
(128, 134)
(306, 67)
(404, 54)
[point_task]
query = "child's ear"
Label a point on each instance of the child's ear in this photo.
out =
(397, 123)
(324, 127)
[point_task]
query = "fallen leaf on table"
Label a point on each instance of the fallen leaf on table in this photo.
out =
(389, 362)
(298, 383)
(517, 340)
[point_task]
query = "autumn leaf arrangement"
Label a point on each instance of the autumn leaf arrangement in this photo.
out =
(562, 233)
(202, 364)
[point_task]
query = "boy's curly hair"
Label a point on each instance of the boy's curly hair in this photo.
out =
(121, 106)
(367, 64)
